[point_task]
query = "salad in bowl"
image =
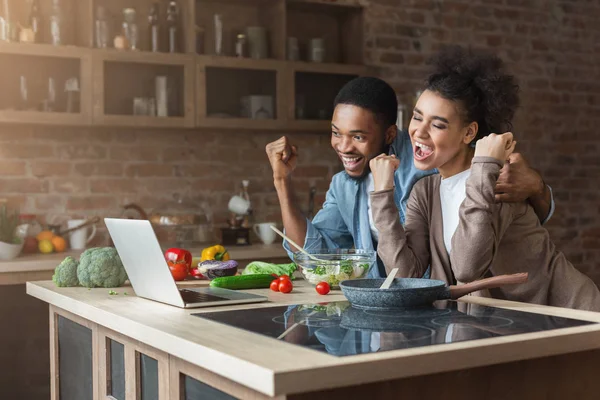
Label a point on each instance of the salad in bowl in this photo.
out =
(335, 265)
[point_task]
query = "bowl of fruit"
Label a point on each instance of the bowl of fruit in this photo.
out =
(335, 265)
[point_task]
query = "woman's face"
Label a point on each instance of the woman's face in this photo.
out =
(439, 134)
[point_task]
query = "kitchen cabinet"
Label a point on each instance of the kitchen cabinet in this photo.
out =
(123, 78)
(206, 90)
(198, 352)
(59, 93)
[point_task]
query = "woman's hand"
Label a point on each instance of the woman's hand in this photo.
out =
(383, 168)
(496, 146)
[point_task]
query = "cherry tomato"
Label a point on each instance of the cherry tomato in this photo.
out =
(275, 285)
(322, 288)
(179, 270)
(285, 286)
(284, 278)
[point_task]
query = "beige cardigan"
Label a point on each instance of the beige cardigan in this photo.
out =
(491, 239)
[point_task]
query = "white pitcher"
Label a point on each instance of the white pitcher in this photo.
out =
(80, 238)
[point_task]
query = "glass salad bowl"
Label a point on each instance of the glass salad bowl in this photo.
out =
(335, 265)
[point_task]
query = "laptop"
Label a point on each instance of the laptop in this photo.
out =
(149, 272)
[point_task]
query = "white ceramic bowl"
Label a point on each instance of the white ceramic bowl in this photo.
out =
(9, 251)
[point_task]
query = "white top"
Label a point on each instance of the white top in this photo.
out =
(452, 194)
(371, 187)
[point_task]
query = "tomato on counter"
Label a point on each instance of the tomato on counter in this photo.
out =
(285, 286)
(322, 288)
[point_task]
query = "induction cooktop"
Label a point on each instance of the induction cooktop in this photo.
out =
(341, 330)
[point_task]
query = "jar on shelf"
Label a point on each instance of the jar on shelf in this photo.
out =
(240, 46)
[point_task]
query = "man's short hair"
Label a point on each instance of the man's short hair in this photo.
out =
(372, 94)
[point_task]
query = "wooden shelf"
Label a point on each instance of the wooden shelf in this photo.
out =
(314, 4)
(104, 105)
(44, 50)
(143, 121)
(104, 59)
(142, 57)
(240, 63)
(241, 123)
(329, 68)
(46, 118)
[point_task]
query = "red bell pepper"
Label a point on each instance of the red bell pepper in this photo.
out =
(175, 255)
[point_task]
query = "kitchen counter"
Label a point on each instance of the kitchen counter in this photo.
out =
(248, 365)
(34, 267)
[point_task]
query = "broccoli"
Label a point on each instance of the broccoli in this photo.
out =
(65, 274)
(101, 267)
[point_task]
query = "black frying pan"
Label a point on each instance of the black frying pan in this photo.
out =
(415, 292)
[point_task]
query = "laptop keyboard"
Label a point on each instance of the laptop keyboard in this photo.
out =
(191, 296)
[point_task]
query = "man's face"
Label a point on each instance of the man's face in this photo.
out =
(357, 137)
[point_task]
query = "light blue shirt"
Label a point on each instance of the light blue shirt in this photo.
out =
(343, 222)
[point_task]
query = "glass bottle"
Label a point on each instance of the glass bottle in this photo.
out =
(172, 26)
(101, 28)
(35, 21)
(130, 28)
(56, 24)
(153, 28)
(24, 94)
(240, 46)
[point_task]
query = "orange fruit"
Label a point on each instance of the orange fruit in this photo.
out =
(44, 235)
(59, 244)
(45, 246)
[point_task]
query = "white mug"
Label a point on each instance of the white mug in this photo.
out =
(265, 233)
(239, 205)
(79, 238)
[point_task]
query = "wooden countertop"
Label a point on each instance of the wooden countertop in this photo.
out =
(275, 367)
(45, 262)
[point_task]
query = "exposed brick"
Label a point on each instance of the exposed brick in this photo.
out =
(417, 17)
(81, 152)
(99, 169)
(392, 43)
(147, 170)
(12, 168)
(311, 171)
(23, 185)
(179, 154)
(51, 202)
(123, 185)
(25, 151)
(70, 185)
(392, 58)
(42, 169)
(16, 201)
(494, 40)
(88, 203)
(135, 153)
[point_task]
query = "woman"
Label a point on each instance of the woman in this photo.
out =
(453, 222)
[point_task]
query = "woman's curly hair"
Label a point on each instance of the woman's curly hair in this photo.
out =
(478, 82)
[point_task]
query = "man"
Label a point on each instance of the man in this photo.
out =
(364, 126)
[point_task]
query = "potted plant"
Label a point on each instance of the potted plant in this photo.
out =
(12, 233)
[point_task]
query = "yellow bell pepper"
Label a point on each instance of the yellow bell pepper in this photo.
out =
(216, 252)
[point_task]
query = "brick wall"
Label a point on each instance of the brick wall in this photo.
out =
(553, 48)
(73, 172)
(550, 45)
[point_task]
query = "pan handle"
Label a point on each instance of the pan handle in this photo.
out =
(487, 283)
